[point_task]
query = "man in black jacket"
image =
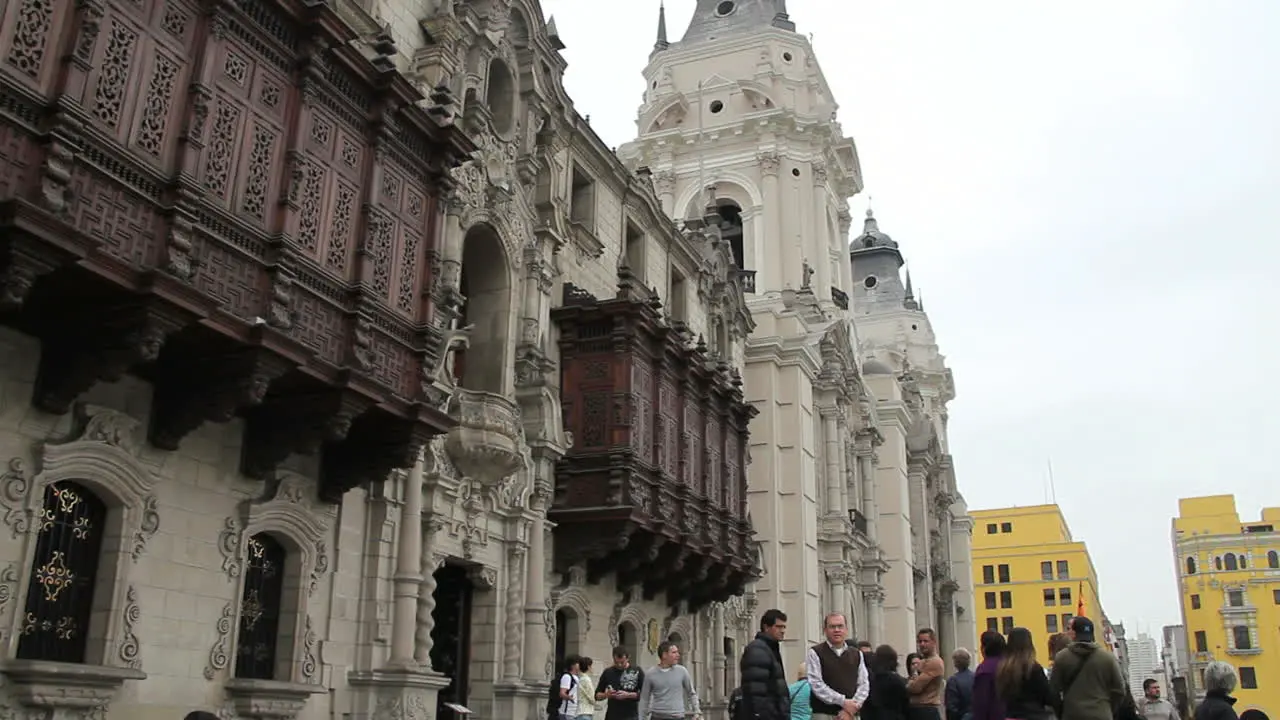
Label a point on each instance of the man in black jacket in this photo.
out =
(764, 682)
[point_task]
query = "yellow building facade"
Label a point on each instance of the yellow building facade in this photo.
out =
(1229, 579)
(1028, 571)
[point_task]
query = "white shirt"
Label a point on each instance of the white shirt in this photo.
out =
(569, 707)
(813, 665)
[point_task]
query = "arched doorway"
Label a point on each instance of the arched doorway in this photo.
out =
(566, 636)
(451, 635)
(485, 285)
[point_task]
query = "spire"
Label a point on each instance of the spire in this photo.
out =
(661, 43)
(714, 19)
(909, 299)
(553, 34)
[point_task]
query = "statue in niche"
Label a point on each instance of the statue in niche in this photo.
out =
(808, 271)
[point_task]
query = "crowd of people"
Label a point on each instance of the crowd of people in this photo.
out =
(842, 678)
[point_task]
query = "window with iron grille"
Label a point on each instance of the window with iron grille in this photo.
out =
(260, 603)
(55, 621)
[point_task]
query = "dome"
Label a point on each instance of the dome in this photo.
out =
(871, 236)
(872, 366)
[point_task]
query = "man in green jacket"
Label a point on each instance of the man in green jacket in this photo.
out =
(1086, 681)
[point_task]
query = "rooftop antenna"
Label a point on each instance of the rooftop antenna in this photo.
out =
(1053, 493)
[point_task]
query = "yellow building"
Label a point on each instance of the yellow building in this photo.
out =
(1029, 572)
(1229, 578)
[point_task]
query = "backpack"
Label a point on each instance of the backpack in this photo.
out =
(735, 702)
(553, 695)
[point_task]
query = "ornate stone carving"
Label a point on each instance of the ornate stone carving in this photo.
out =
(148, 525)
(484, 577)
(310, 666)
(513, 628)
(769, 162)
(486, 444)
(130, 648)
(220, 654)
(410, 707)
(229, 546)
(14, 488)
(320, 568)
(8, 591)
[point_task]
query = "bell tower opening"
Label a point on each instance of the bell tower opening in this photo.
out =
(731, 229)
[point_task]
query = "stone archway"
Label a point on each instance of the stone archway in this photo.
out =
(486, 285)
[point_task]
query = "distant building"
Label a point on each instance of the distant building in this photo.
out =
(1144, 662)
(1121, 648)
(1229, 580)
(1177, 663)
(1028, 571)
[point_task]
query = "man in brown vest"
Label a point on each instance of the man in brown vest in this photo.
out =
(836, 672)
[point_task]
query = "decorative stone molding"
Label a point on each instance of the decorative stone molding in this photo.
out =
(147, 527)
(486, 444)
(627, 613)
(291, 511)
(220, 654)
(269, 699)
(682, 626)
(54, 689)
(102, 455)
(8, 592)
(483, 577)
(130, 648)
(310, 667)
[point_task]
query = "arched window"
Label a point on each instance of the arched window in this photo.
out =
(1240, 637)
(1191, 566)
(628, 637)
(731, 230)
(64, 572)
(566, 635)
(1230, 561)
(260, 605)
(1273, 559)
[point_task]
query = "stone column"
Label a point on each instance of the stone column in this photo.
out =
(536, 643)
(452, 236)
(664, 186)
(870, 509)
(426, 621)
(513, 629)
(821, 243)
(848, 501)
(717, 649)
(833, 448)
(786, 270)
(408, 577)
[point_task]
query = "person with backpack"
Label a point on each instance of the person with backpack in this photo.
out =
(800, 691)
(1086, 682)
(562, 695)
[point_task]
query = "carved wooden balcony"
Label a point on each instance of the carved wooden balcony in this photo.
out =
(230, 200)
(486, 442)
(654, 488)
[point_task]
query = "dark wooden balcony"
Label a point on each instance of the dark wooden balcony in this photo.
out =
(228, 199)
(654, 488)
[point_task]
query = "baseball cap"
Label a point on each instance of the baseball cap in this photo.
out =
(1082, 626)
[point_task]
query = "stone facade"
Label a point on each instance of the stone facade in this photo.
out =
(438, 582)
(925, 525)
(852, 491)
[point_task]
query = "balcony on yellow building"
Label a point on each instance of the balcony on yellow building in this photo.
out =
(1229, 582)
(1030, 572)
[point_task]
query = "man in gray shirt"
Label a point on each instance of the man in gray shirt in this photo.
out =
(666, 688)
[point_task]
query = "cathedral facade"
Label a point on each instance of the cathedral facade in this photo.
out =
(852, 493)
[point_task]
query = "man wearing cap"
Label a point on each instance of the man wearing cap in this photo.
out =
(1086, 683)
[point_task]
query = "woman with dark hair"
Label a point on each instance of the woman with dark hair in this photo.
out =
(888, 699)
(911, 664)
(986, 702)
(1020, 680)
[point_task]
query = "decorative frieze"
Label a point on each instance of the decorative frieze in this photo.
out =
(130, 649)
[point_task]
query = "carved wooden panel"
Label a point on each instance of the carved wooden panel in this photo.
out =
(642, 421)
(325, 188)
(714, 460)
(733, 470)
(692, 470)
(669, 427)
(28, 41)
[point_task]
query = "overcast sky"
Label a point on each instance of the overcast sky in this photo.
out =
(1086, 193)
